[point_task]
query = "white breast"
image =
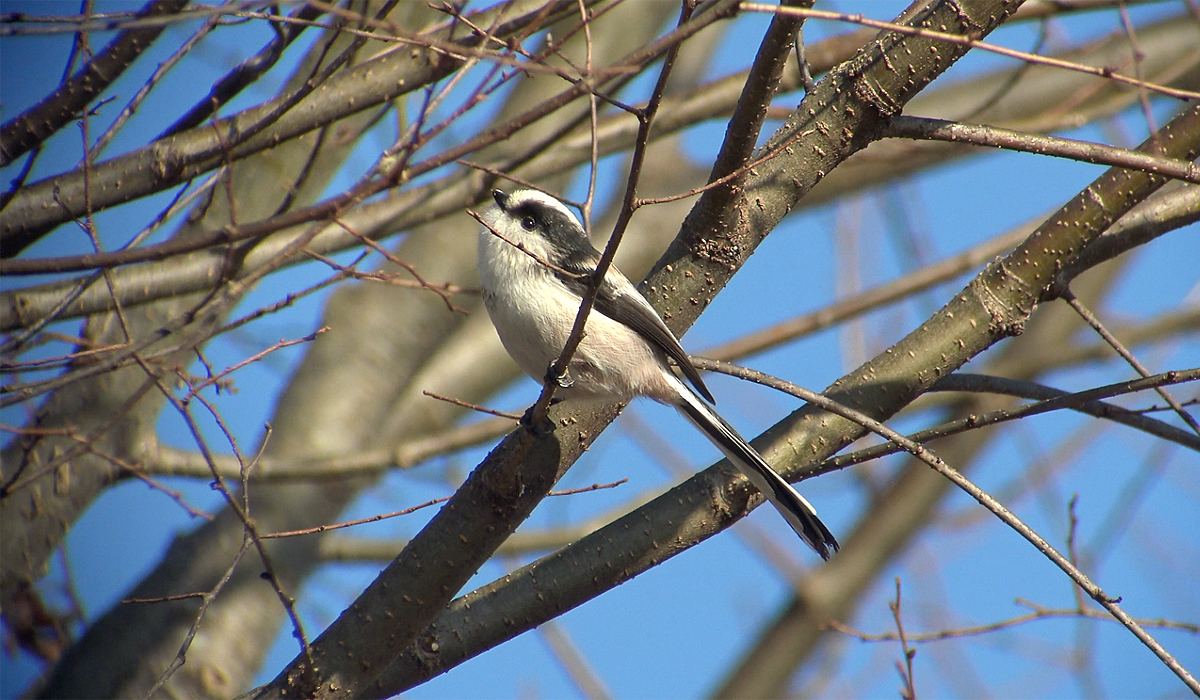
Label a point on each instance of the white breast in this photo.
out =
(534, 312)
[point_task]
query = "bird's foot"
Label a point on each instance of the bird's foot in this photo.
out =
(562, 381)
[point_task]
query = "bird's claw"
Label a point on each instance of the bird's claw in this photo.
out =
(562, 381)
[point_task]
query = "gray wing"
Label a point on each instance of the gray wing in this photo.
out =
(632, 309)
(621, 301)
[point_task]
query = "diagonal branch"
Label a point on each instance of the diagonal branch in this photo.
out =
(1125, 354)
(982, 135)
(56, 110)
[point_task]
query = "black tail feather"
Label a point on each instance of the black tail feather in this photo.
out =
(794, 508)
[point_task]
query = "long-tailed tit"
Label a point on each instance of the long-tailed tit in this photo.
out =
(626, 348)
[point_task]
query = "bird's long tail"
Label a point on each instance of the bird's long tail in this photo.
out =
(791, 505)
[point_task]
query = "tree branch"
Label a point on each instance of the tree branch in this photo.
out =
(60, 107)
(982, 135)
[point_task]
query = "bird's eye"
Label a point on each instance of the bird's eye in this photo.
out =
(528, 223)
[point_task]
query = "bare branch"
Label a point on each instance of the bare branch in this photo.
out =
(1038, 612)
(982, 135)
(1109, 338)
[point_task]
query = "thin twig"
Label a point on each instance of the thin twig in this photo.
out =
(909, 691)
(251, 534)
(412, 509)
(471, 406)
(352, 523)
(1038, 613)
(255, 358)
(903, 126)
(205, 599)
(1072, 531)
(1124, 352)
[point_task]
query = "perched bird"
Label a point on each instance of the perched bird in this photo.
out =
(534, 259)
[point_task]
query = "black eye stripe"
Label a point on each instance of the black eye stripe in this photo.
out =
(541, 215)
(557, 226)
(530, 211)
